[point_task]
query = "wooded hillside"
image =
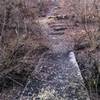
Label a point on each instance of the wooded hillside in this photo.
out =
(45, 44)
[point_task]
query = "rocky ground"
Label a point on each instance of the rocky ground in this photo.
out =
(57, 75)
(60, 73)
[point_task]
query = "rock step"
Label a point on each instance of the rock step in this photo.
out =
(56, 33)
(60, 17)
(57, 25)
(59, 28)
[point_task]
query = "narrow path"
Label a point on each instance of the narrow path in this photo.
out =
(58, 71)
(54, 31)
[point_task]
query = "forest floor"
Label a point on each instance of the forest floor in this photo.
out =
(64, 35)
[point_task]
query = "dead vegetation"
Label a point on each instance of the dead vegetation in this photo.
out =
(21, 42)
(88, 44)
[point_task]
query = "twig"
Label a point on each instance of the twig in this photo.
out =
(15, 81)
(28, 81)
(4, 23)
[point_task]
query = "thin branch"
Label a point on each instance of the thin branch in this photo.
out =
(15, 81)
(3, 27)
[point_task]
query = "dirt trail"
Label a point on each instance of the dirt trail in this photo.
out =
(58, 70)
(54, 32)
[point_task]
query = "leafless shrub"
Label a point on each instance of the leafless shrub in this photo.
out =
(87, 14)
(18, 26)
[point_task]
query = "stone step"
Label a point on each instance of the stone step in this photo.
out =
(56, 33)
(57, 25)
(60, 17)
(59, 28)
(50, 17)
